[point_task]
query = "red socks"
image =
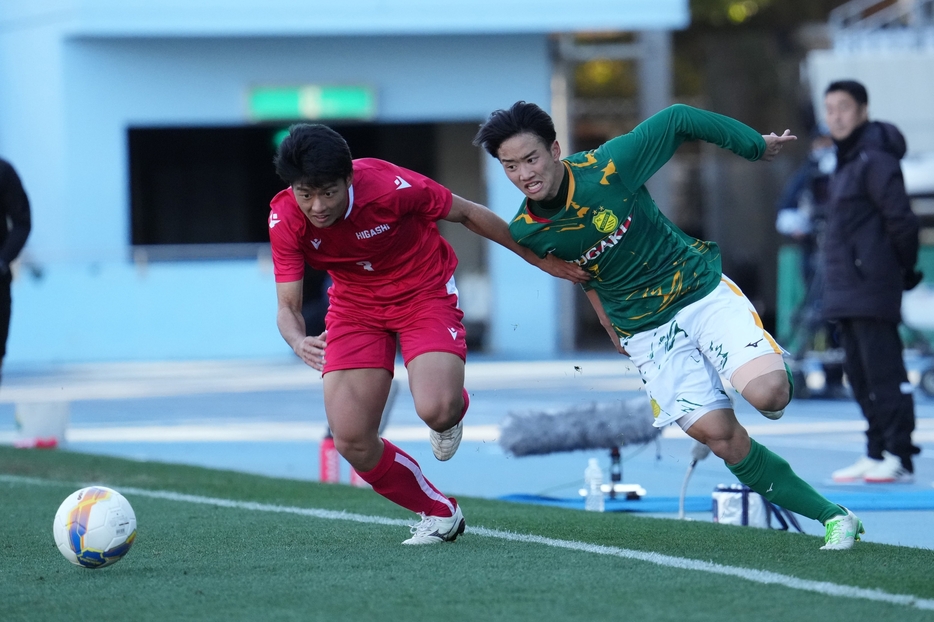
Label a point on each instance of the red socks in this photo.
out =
(399, 478)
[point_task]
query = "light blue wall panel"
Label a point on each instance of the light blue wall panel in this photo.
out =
(117, 311)
(198, 18)
(111, 85)
(33, 132)
(76, 74)
(525, 306)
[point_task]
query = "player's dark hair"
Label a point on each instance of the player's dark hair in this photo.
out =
(856, 90)
(520, 118)
(314, 155)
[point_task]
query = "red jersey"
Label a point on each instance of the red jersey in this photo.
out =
(386, 249)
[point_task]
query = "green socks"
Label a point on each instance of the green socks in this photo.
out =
(769, 475)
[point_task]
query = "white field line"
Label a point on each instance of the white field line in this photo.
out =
(243, 432)
(765, 577)
(141, 380)
(296, 431)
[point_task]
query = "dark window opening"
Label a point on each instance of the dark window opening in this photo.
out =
(203, 193)
(194, 188)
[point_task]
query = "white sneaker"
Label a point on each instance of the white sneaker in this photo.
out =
(842, 531)
(435, 529)
(444, 444)
(888, 471)
(855, 472)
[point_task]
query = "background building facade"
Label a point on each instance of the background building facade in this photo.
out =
(140, 133)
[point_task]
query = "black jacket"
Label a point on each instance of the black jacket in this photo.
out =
(871, 234)
(14, 208)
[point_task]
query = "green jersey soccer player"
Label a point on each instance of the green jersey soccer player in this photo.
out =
(659, 293)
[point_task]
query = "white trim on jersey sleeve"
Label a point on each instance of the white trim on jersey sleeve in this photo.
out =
(349, 202)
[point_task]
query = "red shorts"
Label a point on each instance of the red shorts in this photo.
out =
(363, 338)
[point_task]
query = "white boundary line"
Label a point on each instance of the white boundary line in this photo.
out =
(126, 380)
(748, 574)
(233, 430)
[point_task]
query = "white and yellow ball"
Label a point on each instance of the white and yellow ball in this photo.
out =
(94, 527)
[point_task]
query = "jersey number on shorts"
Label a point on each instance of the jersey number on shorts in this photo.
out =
(366, 266)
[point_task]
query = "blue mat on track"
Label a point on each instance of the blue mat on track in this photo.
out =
(856, 501)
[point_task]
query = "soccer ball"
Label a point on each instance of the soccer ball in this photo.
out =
(94, 527)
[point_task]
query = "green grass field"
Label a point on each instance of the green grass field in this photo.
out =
(217, 545)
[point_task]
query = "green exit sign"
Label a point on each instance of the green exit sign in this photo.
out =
(312, 102)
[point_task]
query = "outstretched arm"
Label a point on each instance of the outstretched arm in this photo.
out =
(484, 222)
(644, 150)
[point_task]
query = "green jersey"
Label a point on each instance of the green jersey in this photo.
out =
(643, 268)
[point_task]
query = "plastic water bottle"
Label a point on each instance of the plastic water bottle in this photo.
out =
(356, 480)
(593, 481)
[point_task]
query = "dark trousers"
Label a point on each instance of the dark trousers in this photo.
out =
(4, 313)
(876, 369)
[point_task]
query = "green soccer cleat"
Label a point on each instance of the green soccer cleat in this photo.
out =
(842, 531)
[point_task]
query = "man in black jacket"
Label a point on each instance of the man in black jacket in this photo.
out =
(15, 223)
(871, 250)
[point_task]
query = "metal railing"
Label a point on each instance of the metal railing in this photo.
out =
(883, 24)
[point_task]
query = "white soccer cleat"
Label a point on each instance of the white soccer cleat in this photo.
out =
(888, 471)
(444, 444)
(842, 531)
(855, 472)
(435, 529)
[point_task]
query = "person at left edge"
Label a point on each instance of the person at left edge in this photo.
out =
(15, 223)
(371, 225)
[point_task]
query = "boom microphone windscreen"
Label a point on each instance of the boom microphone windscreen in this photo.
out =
(598, 425)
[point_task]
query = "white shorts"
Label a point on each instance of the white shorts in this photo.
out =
(681, 361)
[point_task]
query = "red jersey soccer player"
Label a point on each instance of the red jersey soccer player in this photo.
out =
(371, 225)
